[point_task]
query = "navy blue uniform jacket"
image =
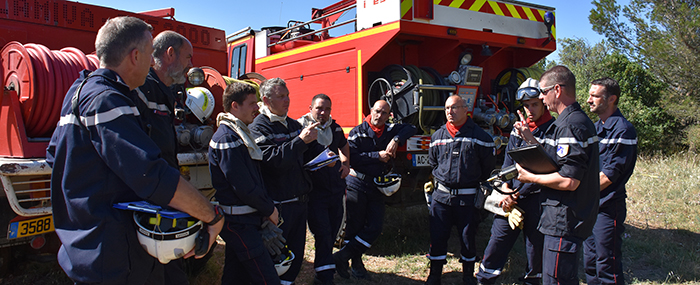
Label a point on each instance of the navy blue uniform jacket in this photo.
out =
(157, 107)
(327, 180)
(462, 161)
(113, 161)
(365, 147)
(236, 177)
(516, 141)
(618, 155)
(572, 142)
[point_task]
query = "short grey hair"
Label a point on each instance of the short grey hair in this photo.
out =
(118, 37)
(269, 85)
(163, 41)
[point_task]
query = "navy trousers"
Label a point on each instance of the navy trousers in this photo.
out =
(247, 260)
(459, 213)
(503, 238)
(294, 227)
(602, 251)
(325, 217)
(365, 215)
(560, 260)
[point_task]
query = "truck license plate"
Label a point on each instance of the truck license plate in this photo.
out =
(30, 227)
(420, 160)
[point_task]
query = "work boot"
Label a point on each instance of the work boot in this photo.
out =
(435, 274)
(341, 259)
(468, 273)
(358, 268)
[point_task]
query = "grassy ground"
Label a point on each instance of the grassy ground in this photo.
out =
(661, 242)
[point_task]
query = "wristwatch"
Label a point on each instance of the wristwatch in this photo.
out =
(219, 215)
(396, 139)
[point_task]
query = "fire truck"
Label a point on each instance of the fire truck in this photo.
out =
(45, 44)
(412, 53)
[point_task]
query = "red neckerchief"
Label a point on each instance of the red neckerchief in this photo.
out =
(543, 119)
(452, 129)
(377, 131)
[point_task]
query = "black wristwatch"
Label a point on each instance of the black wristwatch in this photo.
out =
(219, 215)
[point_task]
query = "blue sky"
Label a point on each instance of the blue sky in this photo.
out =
(231, 16)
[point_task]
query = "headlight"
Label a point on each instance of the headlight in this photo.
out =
(466, 59)
(195, 76)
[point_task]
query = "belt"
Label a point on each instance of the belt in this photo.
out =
(462, 191)
(238, 210)
(357, 174)
(302, 198)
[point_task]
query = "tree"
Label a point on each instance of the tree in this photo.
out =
(641, 94)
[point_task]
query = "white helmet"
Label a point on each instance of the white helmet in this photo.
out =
(164, 238)
(388, 184)
(529, 89)
(201, 102)
(283, 261)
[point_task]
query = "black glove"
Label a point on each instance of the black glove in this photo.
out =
(272, 238)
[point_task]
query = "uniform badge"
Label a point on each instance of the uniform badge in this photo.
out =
(562, 150)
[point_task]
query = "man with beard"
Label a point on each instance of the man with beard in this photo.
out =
(602, 251)
(235, 173)
(172, 54)
(326, 200)
(461, 155)
(503, 235)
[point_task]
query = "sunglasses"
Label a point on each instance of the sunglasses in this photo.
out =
(533, 92)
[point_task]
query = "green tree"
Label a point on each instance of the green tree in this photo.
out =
(641, 91)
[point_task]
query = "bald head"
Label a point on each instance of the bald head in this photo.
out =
(380, 113)
(456, 110)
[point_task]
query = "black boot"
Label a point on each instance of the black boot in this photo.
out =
(358, 268)
(468, 273)
(341, 259)
(435, 274)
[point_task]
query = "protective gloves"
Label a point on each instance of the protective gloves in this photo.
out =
(272, 238)
(428, 187)
(515, 217)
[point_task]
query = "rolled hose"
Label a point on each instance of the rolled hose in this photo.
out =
(508, 81)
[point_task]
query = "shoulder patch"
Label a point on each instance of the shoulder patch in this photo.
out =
(562, 150)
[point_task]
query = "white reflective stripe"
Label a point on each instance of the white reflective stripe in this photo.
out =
(538, 275)
(462, 191)
(389, 127)
(150, 104)
(238, 210)
(619, 141)
(513, 133)
(325, 267)
(99, 118)
(468, 259)
(224, 145)
(462, 139)
(283, 282)
(366, 244)
(439, 257)
(272, 137)
(286, 201)
(358, 135)
(571, 141)
(495, 272)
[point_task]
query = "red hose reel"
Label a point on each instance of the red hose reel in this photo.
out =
(41, 78)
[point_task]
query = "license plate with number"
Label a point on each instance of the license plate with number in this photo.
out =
(420, 160)
(30, 227)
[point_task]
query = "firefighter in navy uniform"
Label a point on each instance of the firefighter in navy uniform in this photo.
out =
(569, 196)
(602, 251)
(235, 173)
(286, 146)
(503, 236)
(101, 155)
(373, 145)
(461, 155)
(172, 54)
(326, 199)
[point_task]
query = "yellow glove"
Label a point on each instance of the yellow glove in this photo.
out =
(515, 217)
(428, 187)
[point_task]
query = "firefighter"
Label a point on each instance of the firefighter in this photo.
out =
(602, 251)
(503, 236)
(570, 195)
(172, 55)
(373, 146)
(461, 155)
(286, 146)
(326, 199)
(235, 173)
(101, 155)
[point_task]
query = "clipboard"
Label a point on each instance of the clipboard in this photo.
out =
(534, 159)
(321, 160)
